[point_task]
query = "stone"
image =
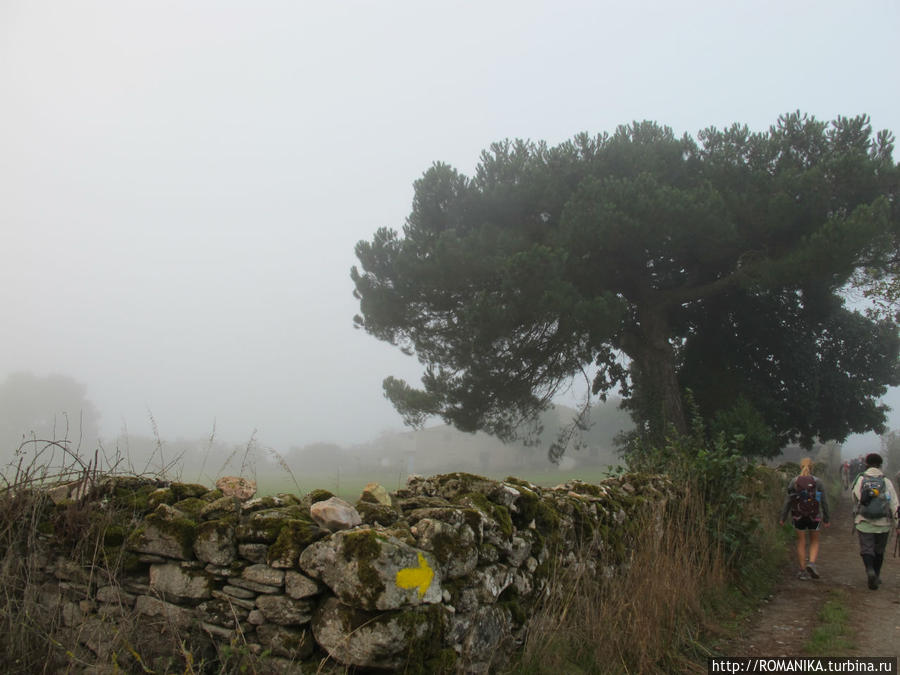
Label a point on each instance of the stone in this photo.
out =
(237, 486)
(453, 546)
(171, 580)
(482, 587)
(222, 612)
(252, 586)
(215, 543)
(114, 594)
(69, 570)
(255, 553)
(285, 611)
(245, 603)
(220, 632)
(237, 592)
(481, 636)
(517, 552)
(263, 527)
(221, 508)
(256, 618)
(377, 514)
(374, 640)
(370, 569)
(299, 586)
(296, 644)
(165, 532)
(377, 494)
(263, 574)
(335, 514)
(180, 617)
(261, 504)
(295, 535)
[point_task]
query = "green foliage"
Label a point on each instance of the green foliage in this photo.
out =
(747, 426)
(554, 261)
(714, 469)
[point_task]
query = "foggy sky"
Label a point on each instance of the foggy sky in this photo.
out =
(182, 183)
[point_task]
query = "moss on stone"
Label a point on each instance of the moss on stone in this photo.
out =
(212, 496)
(294, 536)
(373, 512)
(448, 543)
(130, 561)
(363, 548)
(289, 499)
(181, 529)
(134, 497)
(164, 495)
(509, 599)
(498, 512)
(191, 507)
(188, 490)
(265, 526)
(423, 629)
(114, 535)
(442, 662)
(318, 496)
(361, 545)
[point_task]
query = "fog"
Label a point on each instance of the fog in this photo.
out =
(182, 183)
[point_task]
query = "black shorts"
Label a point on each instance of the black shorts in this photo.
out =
(806, 523)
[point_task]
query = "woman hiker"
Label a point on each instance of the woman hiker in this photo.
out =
(808, 507)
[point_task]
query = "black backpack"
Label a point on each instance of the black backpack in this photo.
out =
(803, 498)
(873, 498)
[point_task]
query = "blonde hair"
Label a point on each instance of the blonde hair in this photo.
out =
(806, 466)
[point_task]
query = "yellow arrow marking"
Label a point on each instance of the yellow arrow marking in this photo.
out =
(416, 577)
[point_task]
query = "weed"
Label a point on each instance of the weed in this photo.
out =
(833, 635)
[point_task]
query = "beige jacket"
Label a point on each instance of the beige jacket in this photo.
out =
(886, 522)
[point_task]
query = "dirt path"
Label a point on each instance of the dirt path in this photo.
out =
(786, 622)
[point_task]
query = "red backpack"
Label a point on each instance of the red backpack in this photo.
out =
(804, 503)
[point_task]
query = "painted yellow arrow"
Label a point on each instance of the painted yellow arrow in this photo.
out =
(416, 577)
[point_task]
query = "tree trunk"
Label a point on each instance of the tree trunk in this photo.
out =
(657, 392)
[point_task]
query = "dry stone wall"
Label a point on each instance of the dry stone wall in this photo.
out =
(440, 576)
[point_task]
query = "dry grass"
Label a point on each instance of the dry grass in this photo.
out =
(48, 506)
(636, 621)
(684, 582)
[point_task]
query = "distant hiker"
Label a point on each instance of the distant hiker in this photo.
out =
(808, 507)
(875, 515)
(857, 466)
(845, 475)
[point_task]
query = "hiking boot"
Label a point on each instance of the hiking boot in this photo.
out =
(802, 575)
(873, 579)
(811, 569)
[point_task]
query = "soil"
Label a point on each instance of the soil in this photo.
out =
(786, 622)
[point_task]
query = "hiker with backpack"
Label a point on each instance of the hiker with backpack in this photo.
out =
(875, 515)
(808, 507)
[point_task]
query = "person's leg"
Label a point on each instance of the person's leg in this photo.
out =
(813, 545)
(880, 545)
(801, 548)
(813, 554)
(867, 553)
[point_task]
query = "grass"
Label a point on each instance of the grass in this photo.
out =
(833, 636)
(668, 608)
(637, 622)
